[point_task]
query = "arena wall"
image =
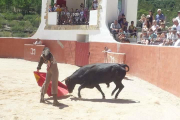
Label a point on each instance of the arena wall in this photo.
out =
(157, 65)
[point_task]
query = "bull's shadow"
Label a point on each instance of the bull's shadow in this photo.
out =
(117, 101)
(126, 78)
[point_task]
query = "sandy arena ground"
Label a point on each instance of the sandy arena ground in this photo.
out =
(139, 100)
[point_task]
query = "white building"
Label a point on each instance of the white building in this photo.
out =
(98, 28)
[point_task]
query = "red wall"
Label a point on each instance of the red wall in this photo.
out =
(157, 65)
(96, 48)
(14, 48)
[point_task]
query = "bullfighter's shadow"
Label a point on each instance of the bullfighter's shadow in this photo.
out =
(61, 105)
(120, 101)
(59, 98)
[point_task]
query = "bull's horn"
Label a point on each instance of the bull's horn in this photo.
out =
(64, 80)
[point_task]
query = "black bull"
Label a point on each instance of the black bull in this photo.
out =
(92, 75)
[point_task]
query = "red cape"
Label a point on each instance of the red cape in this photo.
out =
(40, 78)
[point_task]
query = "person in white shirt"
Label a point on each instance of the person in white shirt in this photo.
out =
(177, 25)
(174, 35)
(95, 4)
(115, 26)
(154, 26)
(38, 42)
(178, 17)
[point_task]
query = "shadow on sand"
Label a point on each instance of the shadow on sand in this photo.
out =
(59, 98)
(120, 101)
(61, 105)
(126, 78)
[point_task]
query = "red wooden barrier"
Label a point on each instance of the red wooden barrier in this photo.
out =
(82, 54)
(33, 52)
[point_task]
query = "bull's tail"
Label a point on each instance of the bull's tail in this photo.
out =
(124, 66)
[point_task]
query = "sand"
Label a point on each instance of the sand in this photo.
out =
(139, 100)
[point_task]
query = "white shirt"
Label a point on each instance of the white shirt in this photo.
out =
(38, 43)
(178, 18)
(174, 37)
(178, 28)
(117, 26)
(154, 27)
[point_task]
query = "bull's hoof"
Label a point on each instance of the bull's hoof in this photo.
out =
(79, 96)
(104, 97)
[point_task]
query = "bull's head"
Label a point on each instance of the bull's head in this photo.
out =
(70, 84)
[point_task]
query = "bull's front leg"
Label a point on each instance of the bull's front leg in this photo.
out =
(99, 88)
(79, 89)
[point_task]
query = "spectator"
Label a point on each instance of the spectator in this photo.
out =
(55, 7)
(68, 16)
(163, 28)
(120, 20)
(62, 16)
(152, 36)
(121, 35)
(82, 15)
(154, 26)
(151, 18)
(95, 4)
(77, 16)
(168, 41)
(178, 17)
(115, 28)
(86, 15)
(147, 23)
(81, 5)
(58, 9)
(144, 39)
(132, 29)
(50, 9)
(124, 25)
(174, 36)
(38, 42)
(63, 7)
(159, 17)
(176, 25)
(106, 49)
(160, 38)
(143, 20)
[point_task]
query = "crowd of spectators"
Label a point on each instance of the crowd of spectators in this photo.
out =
(73, 17)
(155, 31)
(120, 30)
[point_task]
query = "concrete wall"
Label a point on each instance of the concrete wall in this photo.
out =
(57, 34)
(111, 10)
(75, 4)
(131, 10)
(108, 13)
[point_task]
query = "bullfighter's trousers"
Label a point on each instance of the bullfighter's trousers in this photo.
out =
(52, 74)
